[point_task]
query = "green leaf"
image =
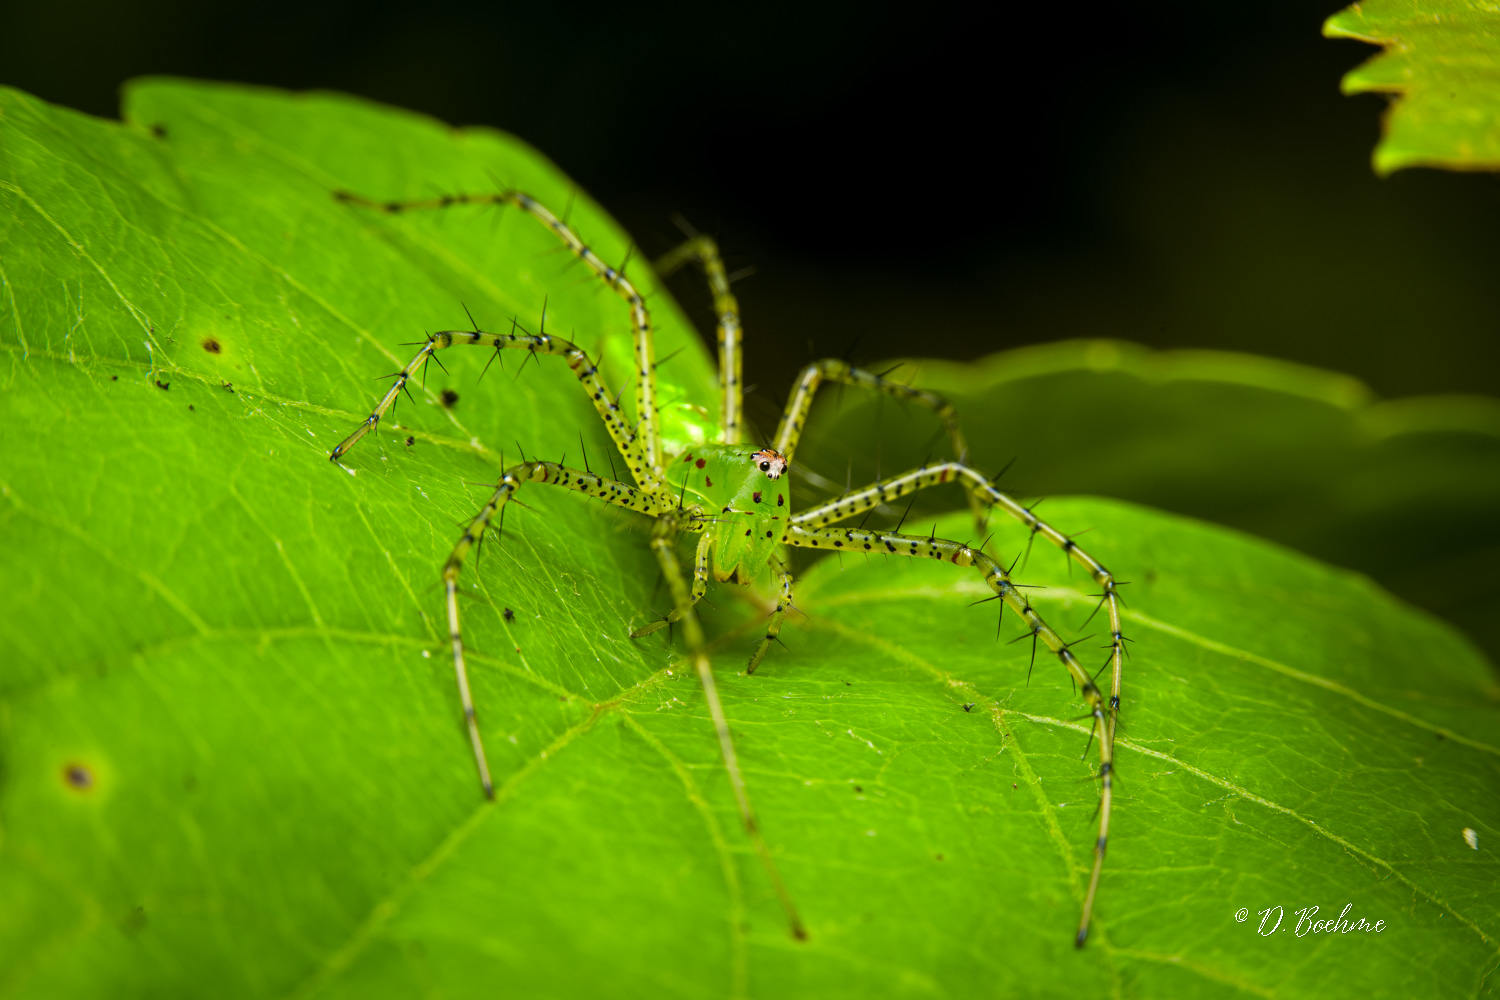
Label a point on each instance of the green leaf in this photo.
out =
(1442, 61)
(232, 756)
(1405, 490)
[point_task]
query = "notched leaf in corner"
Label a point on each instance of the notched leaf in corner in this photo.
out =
(1442, 65)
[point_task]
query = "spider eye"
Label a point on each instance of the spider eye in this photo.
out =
(765, 467)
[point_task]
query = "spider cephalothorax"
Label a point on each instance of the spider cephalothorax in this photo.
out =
(737, 500)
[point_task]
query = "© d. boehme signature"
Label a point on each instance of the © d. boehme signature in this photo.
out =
(1307, 925)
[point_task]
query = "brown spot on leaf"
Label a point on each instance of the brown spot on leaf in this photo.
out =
(78, 777)
(212, 346)
(449, 398)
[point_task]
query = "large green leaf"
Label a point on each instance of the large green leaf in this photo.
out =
(1442, 61)
(1405, 490)
(232, 761)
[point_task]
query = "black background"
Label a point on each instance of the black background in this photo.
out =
(938, 181)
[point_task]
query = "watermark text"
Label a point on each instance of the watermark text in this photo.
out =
(1273, 919)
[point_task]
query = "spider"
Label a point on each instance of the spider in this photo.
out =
(734, 496)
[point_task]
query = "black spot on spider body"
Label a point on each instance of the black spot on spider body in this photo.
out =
(838, 544)
(449, 398)
(211, 345)
(769, 534)
(780, 500)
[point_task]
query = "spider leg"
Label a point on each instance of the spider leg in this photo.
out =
(620, 432)
(700, 586)
(552, 474)
(924, 476)
(773, 627)
(837, 370)
(704, 252)
(995, 575)
(664, 544)
(645, 449)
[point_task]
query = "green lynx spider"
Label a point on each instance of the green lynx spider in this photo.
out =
(732, 495)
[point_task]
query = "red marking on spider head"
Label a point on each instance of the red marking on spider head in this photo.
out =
(772, 463)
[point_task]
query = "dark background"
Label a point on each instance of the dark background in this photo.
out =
(941, 182)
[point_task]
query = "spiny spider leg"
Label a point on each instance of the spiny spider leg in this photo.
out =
(648, 437)
(773, 627)
(664, 544)
(932, 474)
(789, 432)
(865, 540)
(705, 252)
(551, 474)
(700, 587)
(537, 343)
